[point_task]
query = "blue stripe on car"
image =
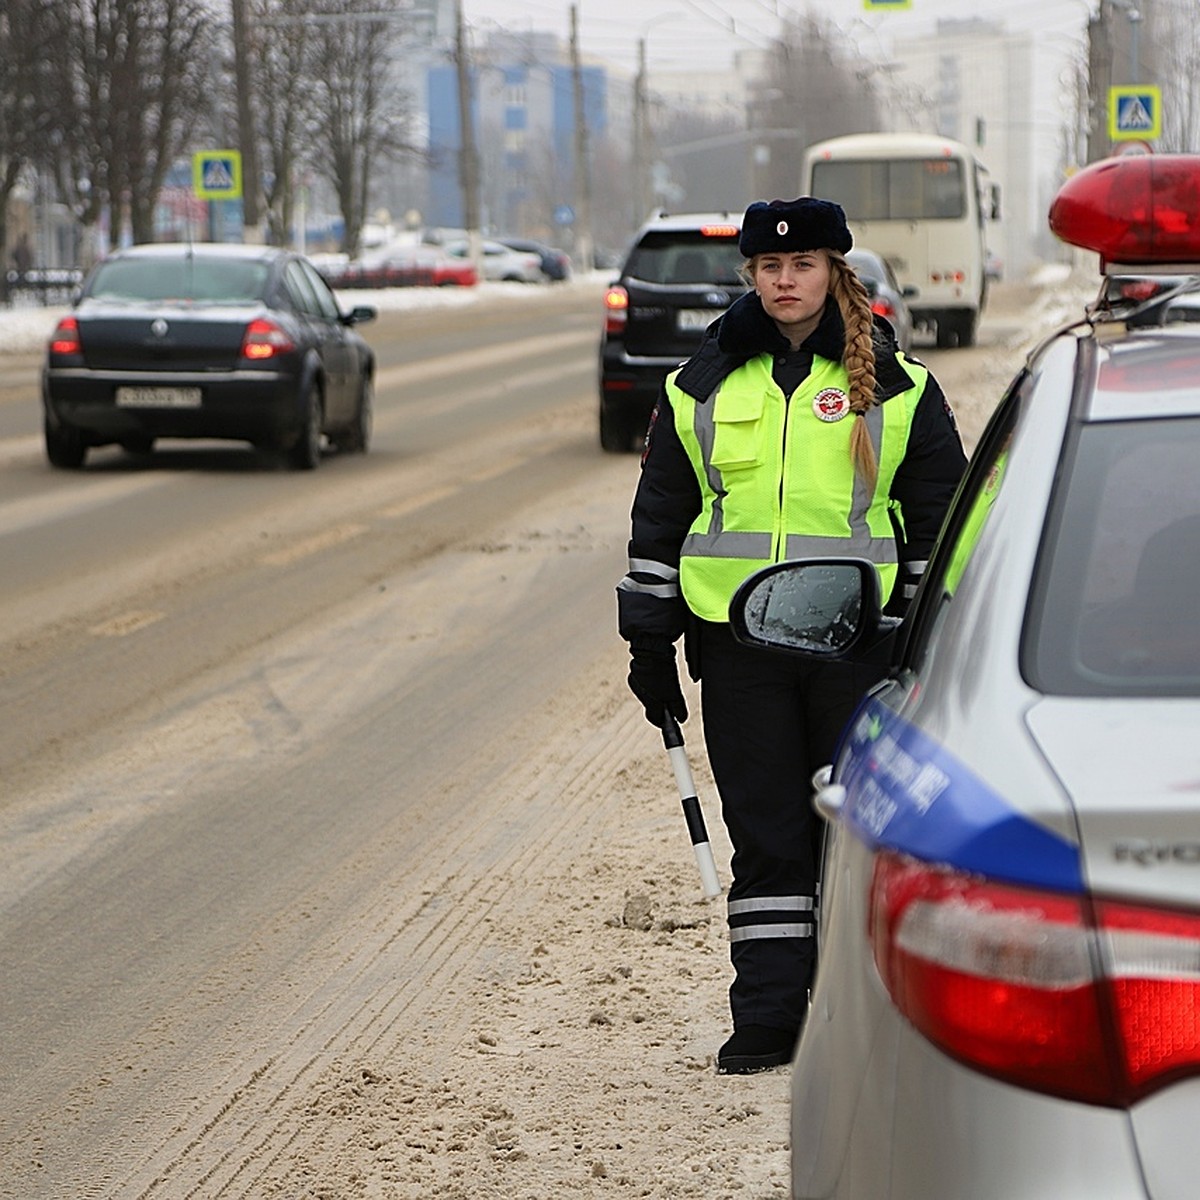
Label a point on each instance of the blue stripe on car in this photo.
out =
(907, 792)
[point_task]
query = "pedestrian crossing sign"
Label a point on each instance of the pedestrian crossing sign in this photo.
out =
(217, 174)
(1134, 113)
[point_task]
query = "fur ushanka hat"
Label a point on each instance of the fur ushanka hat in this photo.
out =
(793, 226)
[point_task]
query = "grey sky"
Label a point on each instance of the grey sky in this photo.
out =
(692, 34)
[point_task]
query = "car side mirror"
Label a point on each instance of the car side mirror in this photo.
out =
(359, 314)
(910, 291)
(817, 607)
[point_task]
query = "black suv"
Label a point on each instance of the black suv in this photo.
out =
(680, 275)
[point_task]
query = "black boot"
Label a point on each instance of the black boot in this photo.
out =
(756, 1048)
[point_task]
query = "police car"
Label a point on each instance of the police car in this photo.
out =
(1007, 1003)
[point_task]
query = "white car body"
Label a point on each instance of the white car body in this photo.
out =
(1008, 986)
(503, 264)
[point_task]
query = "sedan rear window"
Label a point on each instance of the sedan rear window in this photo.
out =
(198, 280)
(1114, 604)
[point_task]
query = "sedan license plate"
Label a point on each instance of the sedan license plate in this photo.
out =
(692, 320)
(158, 397)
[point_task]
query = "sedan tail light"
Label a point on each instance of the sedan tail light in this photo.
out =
(265, 339)
(65, 339)
(883, 308)
(1094, 1001)
(616, 309)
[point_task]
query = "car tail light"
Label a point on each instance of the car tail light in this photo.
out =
(265, 339)
(616, 309)
(65, 339)
(721, 231)
(883, 308)
(1090, 1002)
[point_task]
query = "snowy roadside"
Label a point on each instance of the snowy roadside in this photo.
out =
(571, 1050)
(25, 329)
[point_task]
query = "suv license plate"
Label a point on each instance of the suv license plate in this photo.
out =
(158, 397)
(694, 319)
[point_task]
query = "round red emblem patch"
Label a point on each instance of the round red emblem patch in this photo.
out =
(831, 404)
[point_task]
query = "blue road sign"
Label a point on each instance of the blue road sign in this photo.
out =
(1134, 112)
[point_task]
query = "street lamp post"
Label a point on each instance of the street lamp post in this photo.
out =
(1134, 15)
(584, 252)
(643, 200)
(468, 163)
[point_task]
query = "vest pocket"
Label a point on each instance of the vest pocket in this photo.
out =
(738, 430)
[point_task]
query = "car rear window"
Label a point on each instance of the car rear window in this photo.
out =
(199, 280)
(1114, 603)
(682, 257)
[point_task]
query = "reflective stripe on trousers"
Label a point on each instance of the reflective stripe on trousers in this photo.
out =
(756, 917)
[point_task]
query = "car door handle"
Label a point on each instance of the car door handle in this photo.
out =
(828, 797)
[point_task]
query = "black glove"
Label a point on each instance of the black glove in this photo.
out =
(654, 680)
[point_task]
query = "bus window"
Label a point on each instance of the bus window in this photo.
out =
(915, 189)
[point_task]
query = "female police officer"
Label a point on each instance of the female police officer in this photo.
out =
(797, 428)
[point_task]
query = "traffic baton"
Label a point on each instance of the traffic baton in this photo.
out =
(673, 740)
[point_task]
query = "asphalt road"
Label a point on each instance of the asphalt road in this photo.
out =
(276, 746)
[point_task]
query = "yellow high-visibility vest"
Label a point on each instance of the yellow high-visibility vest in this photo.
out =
(777, 479)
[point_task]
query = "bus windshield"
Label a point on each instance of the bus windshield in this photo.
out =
(894, 189)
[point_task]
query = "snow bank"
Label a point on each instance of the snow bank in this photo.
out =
(24, 330)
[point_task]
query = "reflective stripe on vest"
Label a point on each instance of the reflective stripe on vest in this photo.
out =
(778, 482)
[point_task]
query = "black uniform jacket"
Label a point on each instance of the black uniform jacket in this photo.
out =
(668, 498)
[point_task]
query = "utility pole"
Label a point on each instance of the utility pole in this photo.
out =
(247, 137)
(1099, 82)
(468, 155)
(640, 150)
(1103, 69)
(583, 184)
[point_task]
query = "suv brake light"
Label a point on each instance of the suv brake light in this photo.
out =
(265, 339)
(65, 339)
(722, 231)
(616, 309)
(1090, 1001)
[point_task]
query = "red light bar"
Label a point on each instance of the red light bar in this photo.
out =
(1137, 210)
(719, 230)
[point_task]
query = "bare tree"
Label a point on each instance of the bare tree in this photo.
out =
(815, 86)
(133, 87)
(361, 115)
(286, 95)
(1175, 54)
(707, 160)
(28, 30)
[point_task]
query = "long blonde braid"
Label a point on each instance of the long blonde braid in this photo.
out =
(859, 359)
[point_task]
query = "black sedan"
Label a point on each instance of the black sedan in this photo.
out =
(207, 341)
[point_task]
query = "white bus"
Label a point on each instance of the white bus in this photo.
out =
(921, 202)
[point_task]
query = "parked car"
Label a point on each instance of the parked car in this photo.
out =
(1007, 992)
(555, 263)
(207, 341)
(501, 263)
(888, 298)
(401, 266)
(682, 271)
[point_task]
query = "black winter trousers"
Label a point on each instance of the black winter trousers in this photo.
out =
(770, 720)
